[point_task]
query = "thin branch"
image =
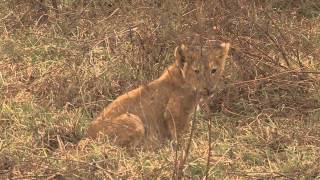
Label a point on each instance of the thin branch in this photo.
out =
(209, 145)
(185, 155)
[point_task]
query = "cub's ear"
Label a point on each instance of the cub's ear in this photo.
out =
(221, 45)
(226, 47)
(180, 55)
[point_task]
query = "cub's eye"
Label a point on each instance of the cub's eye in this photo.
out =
(197, 71)
(213, 71)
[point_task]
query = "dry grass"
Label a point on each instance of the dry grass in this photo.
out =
(60, 65)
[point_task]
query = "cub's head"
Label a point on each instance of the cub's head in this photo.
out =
(202, 67)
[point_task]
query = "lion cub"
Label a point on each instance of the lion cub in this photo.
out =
(162, 108)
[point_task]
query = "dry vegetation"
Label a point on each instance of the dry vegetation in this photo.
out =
(61, 62)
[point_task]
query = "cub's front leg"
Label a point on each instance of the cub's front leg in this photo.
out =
(178, 113)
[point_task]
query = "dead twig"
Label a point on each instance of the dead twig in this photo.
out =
(208, 115)
(185, 154)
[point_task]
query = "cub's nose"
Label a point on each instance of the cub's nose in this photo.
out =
(206, 92)
(209, 92)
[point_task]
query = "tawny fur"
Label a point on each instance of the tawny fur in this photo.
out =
(162, 109)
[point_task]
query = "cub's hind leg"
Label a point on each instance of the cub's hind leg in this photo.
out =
(126, 129)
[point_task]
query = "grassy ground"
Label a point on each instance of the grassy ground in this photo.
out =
(60, 65)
